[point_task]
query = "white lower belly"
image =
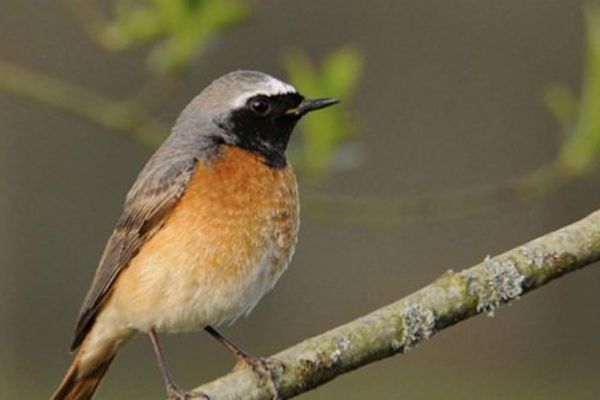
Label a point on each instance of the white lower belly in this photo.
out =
(185, 304)
(207, 304)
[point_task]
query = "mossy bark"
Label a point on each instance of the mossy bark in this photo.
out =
(395, 328)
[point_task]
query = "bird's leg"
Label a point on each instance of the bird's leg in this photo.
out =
(262, 367)
(240, 354)
(173, 391)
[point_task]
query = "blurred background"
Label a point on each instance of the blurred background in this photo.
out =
(485, 108)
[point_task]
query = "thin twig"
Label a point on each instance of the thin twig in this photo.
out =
(133, 119)
(395, 211)
(116, 116)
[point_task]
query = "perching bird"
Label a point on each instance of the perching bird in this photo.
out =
(207, 229)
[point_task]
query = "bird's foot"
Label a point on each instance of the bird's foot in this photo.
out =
(174, 393)
(266, 369)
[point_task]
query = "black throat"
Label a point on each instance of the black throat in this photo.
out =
(267, 135)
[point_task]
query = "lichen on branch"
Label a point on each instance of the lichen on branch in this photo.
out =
(403, 325)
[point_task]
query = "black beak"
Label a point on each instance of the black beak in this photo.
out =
(309, 105)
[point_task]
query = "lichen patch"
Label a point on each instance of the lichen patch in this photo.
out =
(418, 324)
(536, 254)
(500, 283)
(342, 345)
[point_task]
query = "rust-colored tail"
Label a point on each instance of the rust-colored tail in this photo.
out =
(77, 386)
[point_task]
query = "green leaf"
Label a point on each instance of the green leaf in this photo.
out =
(561, 102)
(581, 149)
(178, 30)
(342, 71)
(324, 133)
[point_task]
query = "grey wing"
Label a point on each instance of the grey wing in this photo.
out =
(156, 191)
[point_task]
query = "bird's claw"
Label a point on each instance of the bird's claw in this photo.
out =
(174, 393)
(265, 368)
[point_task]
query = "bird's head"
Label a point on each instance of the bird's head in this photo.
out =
(251, 110)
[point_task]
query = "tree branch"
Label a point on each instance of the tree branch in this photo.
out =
(394, 211)
(120, 117)
(400, 326)
(133, 119)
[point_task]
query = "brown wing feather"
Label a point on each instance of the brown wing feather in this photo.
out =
(157, 189)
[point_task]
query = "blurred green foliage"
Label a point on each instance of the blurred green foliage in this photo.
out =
(324, 133)
(178, 30)
(580, 120)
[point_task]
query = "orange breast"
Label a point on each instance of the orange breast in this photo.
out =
(224, 245)
(242, 205)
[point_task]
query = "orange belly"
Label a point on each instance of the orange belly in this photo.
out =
(223, 247)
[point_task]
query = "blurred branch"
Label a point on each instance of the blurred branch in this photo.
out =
(577, 158)
(397, 211)
(120, 117)
(400, 326)
(132, 119)
(325, 134)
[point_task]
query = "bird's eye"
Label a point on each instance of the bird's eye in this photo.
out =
(260, 105)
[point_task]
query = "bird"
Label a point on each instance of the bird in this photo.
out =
(206, 230)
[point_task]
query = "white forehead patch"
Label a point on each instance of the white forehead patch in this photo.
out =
(270, 87)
